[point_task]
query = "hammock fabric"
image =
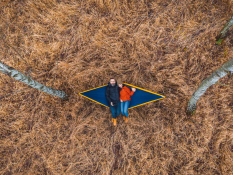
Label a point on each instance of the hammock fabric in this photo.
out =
(140, 97)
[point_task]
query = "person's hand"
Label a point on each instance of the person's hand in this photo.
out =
(111, 103)
(133, 89)
(121, 101)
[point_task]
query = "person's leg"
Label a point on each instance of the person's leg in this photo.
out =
(126, 105)
(114, 115)
(122, 108)
(113, 111)
(118, 109)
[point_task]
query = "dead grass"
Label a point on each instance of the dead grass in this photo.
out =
(165, 46)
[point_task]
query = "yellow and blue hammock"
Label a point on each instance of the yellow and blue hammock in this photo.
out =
(140, 97)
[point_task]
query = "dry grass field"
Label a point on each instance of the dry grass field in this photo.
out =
(166, 46)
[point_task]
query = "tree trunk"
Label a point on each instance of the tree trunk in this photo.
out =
(212, 79)
(29, 81)
(224, 31)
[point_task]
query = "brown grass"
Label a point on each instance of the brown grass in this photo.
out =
(165, 46)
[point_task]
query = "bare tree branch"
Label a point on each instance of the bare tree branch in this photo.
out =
(212, 79)
(224, 31)
(29, 81)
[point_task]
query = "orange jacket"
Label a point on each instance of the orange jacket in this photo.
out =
(125, 93)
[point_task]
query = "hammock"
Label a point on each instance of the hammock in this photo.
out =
(140, 97)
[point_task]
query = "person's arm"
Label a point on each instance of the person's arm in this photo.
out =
(131, 91)
(119, 90)
(107, 95)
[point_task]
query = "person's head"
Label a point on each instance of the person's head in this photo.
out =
(112, 81)
(120, 83)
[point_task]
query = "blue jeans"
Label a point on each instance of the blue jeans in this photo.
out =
(124, 108)
(115, 110)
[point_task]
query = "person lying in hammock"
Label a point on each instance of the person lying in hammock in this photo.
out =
(125, 98)
(113, 96)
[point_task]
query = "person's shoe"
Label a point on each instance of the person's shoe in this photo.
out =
(114, 122)
(126, 119)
